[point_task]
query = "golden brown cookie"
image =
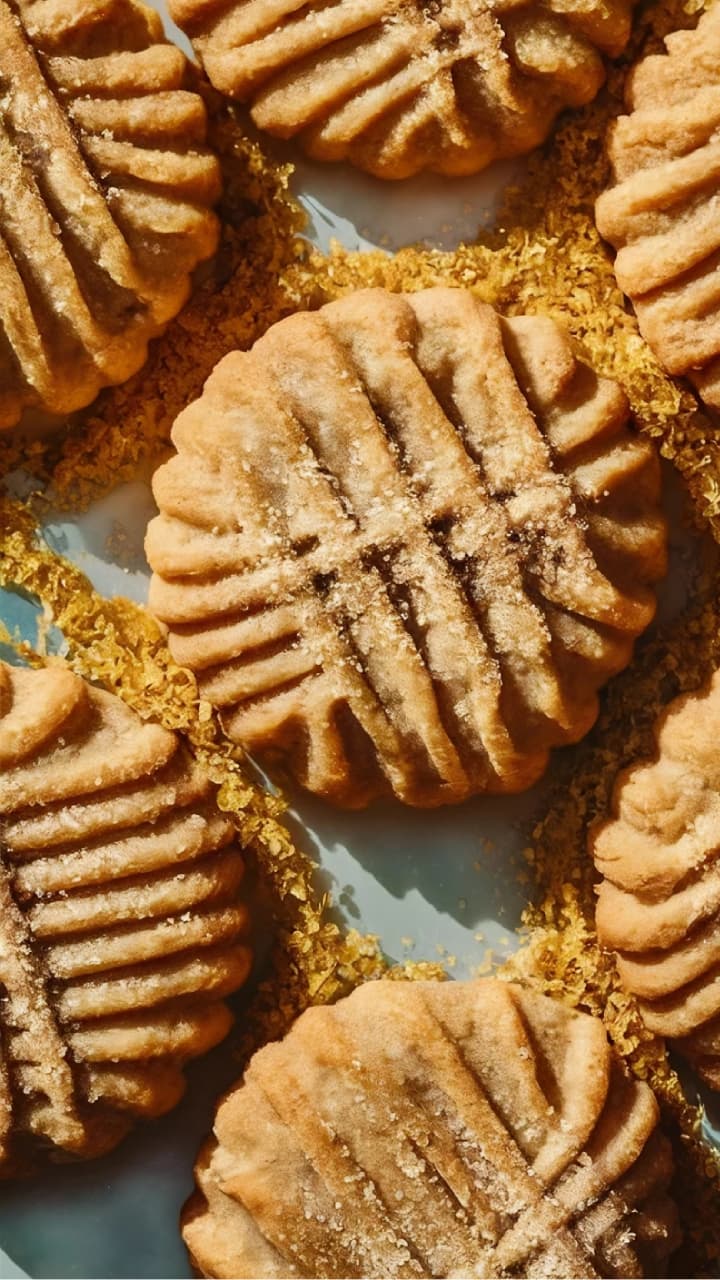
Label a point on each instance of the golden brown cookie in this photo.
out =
(435, 1129)
(121, 918)
(663, 213)
(106, 188)
(397, 87)
(659, 904)
(402, 544)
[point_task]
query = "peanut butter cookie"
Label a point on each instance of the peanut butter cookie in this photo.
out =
(106, 188)
(663, 213)
(402, 544)
(435, 1129)
(395, 86)
(659, 904)
(121, 917)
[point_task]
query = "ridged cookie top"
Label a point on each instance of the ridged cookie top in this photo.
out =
(659, 904)
(403, 542)
(105, 195)
(121, 920)
(396, 86)
(435, 1129)
(663, 214)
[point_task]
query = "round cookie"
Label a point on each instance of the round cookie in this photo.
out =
(659, 904)
(396, 87)
(121, 917)
(435, 1129)
(106, 188)
(402, 544)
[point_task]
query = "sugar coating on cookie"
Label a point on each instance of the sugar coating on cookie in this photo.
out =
(121, 916)
(106, 188)
(397, 87)
(659, 903)
(663, 212)
(403, 542)
(435, 1129)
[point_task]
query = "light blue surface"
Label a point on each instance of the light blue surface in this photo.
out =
(440, 885)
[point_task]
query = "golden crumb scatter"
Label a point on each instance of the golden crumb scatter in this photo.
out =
(547, 257)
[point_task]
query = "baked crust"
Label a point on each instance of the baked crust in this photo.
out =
(106, 188)
(397, 87)
(121, 917)
(663, 213)
(659, 904)
(435, 1129)
(402, 544)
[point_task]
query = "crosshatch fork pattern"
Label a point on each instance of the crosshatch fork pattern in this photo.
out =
(121, 917)
(403, 542)
(397, 86)
(105, 194)
(435, 1129)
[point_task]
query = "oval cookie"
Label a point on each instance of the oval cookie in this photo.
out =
(659, 903)
(106, 188)
(121, 916)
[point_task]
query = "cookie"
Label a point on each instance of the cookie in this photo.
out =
(397, 87)
(106, 188)
(435, 1129)
(403, 542)
(121, 917)
(663, 212)
(659, 903)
